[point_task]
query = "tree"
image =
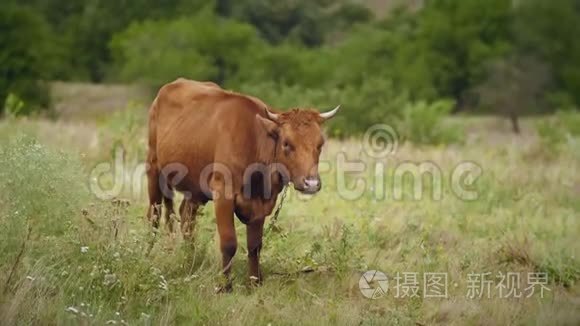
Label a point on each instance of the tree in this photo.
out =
(449, 41)
(309, 22)
(550, 30)
(25, 57)
(85, 28)
(204, 47)
(513, 86)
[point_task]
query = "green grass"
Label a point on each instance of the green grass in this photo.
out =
(75, 259)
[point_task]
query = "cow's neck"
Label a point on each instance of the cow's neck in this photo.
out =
(268, 155)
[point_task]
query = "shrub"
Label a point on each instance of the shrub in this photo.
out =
(126, 129)
(570, 121)
(309, 22)
(67, 260)
(25, 57)
(373, 102)
(422, 123)
(370, 103)
(202, 47)
(14, 105)
(554, 131)
(283, 65)
(41, 190)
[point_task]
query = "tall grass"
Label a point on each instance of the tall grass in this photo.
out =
(68, 258)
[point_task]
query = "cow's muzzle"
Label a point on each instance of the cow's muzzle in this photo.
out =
(309, 185)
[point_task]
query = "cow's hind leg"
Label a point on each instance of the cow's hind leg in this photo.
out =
(155, 197)
(188, 211)
(168, 194)
(169, 213)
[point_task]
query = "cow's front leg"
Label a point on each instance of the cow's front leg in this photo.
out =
(254, 231)
(224, 210)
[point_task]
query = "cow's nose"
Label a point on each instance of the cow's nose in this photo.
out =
(312, 184)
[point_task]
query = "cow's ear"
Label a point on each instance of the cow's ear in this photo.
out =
(270, 126)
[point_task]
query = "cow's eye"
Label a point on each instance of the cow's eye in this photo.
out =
(287, 146)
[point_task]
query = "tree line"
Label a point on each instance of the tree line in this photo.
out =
(501, 56)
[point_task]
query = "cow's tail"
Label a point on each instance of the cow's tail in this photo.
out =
(152, 144)
(155, 196)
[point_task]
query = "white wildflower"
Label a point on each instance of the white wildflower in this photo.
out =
(163, 283)
(72, 309)
(110, 279)
(84, 249)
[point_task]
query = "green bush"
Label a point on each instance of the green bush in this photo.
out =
(422, 123)
(570, 122)
(281, 66)
(361, 105)
(556, 130)
(26, 57)
(125, 129)
(549, 29)
(14, 105)
(41, 190)
(59, 250)
(308, 22)
(186, 47)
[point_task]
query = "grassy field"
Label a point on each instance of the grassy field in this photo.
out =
(67, 257)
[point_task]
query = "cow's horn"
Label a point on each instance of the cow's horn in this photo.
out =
(272, 116)
(329, 114)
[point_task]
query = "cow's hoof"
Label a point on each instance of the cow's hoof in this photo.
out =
(255, 281)
(223, 289)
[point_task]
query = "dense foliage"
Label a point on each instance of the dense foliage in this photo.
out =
(25, 56)
(315, 53)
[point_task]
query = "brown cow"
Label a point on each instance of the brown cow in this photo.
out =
(213, 144)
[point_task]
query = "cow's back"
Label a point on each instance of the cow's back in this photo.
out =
(196, 124)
